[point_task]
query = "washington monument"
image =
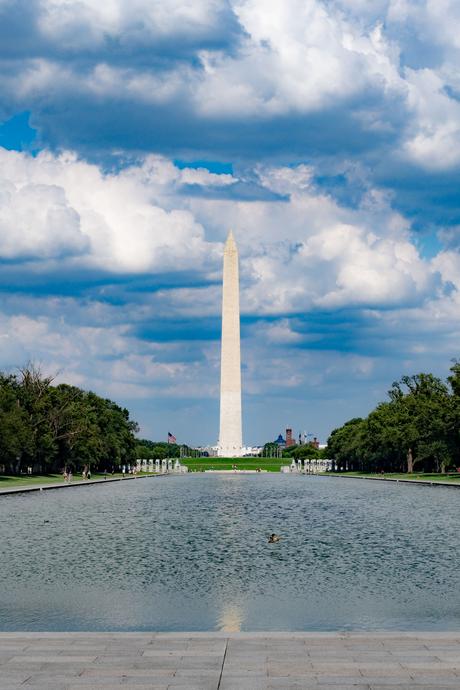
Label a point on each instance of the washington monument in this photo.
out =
(230, 436)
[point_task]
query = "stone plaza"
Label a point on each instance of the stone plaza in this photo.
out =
(230, 661)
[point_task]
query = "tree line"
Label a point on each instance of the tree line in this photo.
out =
(47, 427)
(299, 452)
(146, 449)
(417, 429)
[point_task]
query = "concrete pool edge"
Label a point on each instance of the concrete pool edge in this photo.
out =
(91, 482)
(86, 482)
(240, 634)
(423, 482)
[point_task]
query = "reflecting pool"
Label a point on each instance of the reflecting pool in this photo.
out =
(191, 553)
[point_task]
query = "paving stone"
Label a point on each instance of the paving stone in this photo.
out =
(338, 681)
(12, 678)
(70, 670)
(320, 686)
(263, 660)
(300, 683)
(434, 685)
(297, 669)
(332, 654)
(387, 670)
(292, 683)
(201, 663)
(439, 667)
(374, 657)
(236, 670)
(196, 672)
(40, 679)
(423, 681)
(412, 687)
(209, 636)
(324, 665)
(243, 683)
(201, 682)
(113, 686)
(136, 661)
(110, 672)
(12, 647)
(192, 686)
(54, 648)
(180, 653)
(51, 659)
(416, 658)
(401, 682)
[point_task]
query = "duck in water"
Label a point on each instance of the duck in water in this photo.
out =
(273, 538)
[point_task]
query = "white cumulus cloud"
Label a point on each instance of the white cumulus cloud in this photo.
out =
(58, 205)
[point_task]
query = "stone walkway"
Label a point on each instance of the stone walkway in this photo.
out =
(18, 489)
(453, 484)
(229, 661)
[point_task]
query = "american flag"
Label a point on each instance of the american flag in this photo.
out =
(171, 438)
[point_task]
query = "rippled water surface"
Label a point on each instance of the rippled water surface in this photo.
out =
(191, 553)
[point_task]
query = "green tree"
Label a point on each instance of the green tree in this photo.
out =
(345, 444)
(16, 438)
(146, 449)
(49, 427)
(416, 428)
(306, 450)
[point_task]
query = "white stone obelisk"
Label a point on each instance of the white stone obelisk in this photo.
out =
(230, 435)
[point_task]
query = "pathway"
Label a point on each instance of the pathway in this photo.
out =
(229, 661)
(430, 482)
(18, 489)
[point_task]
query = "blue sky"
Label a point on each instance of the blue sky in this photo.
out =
(325, 133)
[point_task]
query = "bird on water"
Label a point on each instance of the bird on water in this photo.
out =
(273, 538)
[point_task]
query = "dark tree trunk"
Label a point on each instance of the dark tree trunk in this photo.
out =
(410, 461)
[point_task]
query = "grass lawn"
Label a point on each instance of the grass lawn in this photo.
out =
(194, 465)
(11, 482)
(202, 464)
(450, 477)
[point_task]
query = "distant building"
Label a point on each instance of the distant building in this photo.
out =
(289, 439)
(280, 441)
(315, 442)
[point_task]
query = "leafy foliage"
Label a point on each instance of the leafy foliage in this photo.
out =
(417, 429)
(48, 427)
(156, 449)
(306, 450)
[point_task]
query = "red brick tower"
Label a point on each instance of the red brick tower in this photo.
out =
(289, 440)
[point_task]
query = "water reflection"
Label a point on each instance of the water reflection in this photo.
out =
(231, 618)
(191, 553)
(231, 613)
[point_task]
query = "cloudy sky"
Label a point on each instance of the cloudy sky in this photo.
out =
(325, 133)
